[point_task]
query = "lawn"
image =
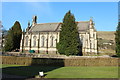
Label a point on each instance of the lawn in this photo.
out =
(62, 72)
(84, 72)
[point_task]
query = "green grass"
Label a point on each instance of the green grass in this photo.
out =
(25, 70)
(8, 65)
(62, 72)
(84, 72)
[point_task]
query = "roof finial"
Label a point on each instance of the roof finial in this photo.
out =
(91, 22)
(28, 23)
(91, 18)
(34, 21)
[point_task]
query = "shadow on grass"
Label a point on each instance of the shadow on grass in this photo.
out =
(31, 71)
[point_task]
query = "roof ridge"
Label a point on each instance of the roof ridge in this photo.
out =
(49, 23)
(82, 21)
(60, 22)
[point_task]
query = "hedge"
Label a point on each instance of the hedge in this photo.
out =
(60, 62)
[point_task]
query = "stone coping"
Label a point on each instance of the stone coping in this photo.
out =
(36, 55)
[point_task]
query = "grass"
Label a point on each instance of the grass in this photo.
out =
(107, 51)
(8, 65)
(28, 71)
(62, 72)
(106, 35)
(84, 72)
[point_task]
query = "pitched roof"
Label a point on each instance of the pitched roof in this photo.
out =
(83, 26)
(45, 27)
(51, 27)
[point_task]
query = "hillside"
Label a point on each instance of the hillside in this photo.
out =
(106, 42)
(108, 35)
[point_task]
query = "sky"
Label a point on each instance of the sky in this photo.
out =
(105, 14)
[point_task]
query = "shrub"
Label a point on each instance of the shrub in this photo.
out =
(99, 61)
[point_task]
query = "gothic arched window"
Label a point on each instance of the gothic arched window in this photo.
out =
(42, 41)
(26, 41)
(52, 38)
(34, 41)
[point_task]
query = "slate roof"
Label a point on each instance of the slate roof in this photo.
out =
(83, 26)
(51, 27)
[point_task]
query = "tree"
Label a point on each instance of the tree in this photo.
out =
(69, 43)
(117, 39)
(9, 41)
(13, 38)
(17, 31)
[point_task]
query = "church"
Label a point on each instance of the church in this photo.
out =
(43, 37)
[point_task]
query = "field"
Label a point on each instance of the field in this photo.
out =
(103, 38)
(108, 35)
(107, 52)
(62, 72)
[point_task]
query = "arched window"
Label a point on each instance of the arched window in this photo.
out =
(26, 41)
(34, 41)
(42, 41)
(52, 38)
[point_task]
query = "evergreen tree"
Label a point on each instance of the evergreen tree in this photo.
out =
(69, 43)
(117, 39)
(17, 31)
(13, 38)
(9, 41)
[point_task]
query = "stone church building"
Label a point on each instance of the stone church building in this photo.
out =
(43, 37)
